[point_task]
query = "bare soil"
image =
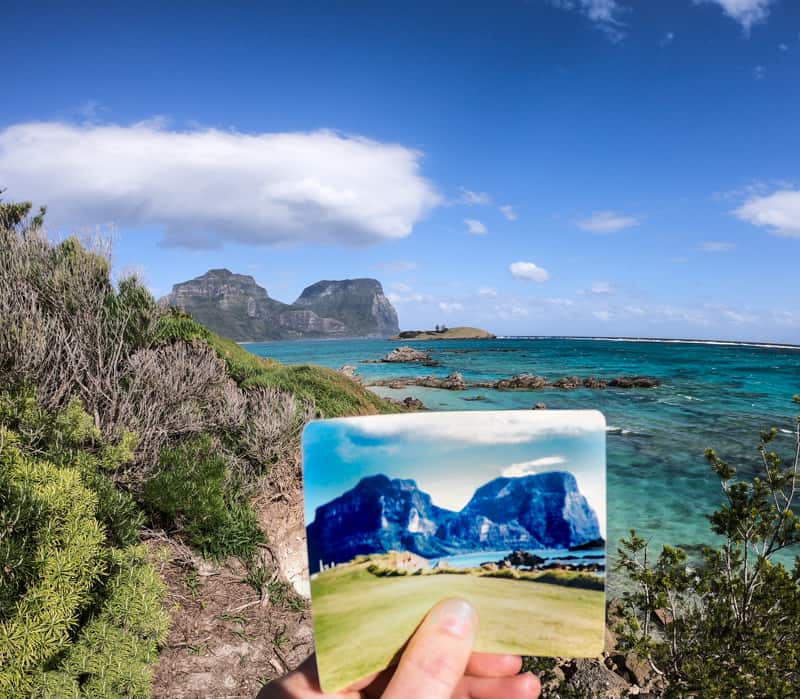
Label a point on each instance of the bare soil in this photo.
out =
(227, 639)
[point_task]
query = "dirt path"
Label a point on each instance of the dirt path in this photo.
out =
(227, 639)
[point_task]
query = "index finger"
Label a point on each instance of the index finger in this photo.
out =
(437, 655)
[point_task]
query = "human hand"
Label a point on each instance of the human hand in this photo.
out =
(438, 663)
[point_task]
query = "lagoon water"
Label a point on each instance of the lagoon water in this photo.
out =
(473, 560)
(658, 480)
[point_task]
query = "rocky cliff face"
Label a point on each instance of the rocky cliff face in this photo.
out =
(380, 514)
(359, 303)
(234, 306)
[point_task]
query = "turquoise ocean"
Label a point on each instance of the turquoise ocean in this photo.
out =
(713, 395)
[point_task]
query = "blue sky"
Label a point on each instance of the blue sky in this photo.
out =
(535, 167)
(450, 455)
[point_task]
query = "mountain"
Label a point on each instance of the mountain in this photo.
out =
(359, 303)
(380, 514)
(235, 306)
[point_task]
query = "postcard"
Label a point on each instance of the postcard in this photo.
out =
(506, 509)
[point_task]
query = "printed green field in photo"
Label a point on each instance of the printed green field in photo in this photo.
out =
(361, 621)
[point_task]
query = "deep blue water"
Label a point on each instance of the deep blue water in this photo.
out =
(658, 480)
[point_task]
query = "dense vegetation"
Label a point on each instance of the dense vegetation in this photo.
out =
(118, 414)
(732, 617)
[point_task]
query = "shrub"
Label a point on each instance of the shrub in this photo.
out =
(731, 617)
(195, 492)
(114, 652)
(68, 561)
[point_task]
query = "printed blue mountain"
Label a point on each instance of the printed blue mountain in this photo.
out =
(380, 514)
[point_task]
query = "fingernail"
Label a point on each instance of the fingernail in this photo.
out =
(455, 617)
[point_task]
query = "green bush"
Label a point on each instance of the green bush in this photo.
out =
(77, 616)
(114, 653)
(195, 491)
(732, 617)
(69, 438)
(69, 561)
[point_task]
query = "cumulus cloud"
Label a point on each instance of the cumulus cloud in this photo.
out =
(529, 271)
(779, 212)
(475, 227)
(745, 12)
(602, 315)
(470, 197)
(607, 222)
(208, 186)
(399, 286)
(605, 14)
(508, 211)
(717, 246)
(450, 306)
(526, 468)
(602, 288)
(489, 291)
(397, 266)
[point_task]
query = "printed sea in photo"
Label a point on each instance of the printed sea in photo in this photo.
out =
(506, 509)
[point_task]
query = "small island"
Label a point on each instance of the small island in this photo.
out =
(444, 333)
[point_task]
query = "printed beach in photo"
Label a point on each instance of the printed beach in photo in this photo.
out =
(506, 509)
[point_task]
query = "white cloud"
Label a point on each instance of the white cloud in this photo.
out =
(667, 39)
(488, 291)
(759, 72)
(470, 197)
(409, 297)
(529, 271)
(479, 427)
(783, 47)
(738, 316)
(399, 286)
(607, 222)
(475, 227)
(526, 468)
(779, 211)
(745, 12)
(510, 311)
(603, 13)
(717, 246)
(397, 266)
(602, 315)
(559, 302)
(508, 211)
(602, 288)
(208, 186)
(449, 307)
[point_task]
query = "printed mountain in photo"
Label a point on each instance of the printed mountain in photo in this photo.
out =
(380, 514)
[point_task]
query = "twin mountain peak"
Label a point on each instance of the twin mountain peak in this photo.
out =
(235, 306)
(380, 514)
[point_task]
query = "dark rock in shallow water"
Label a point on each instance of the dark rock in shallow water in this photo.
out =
(598, 543)
(525, 381)
(523, 558)
(540, 406)
(406, 354)
(635, 382)
(410, 403)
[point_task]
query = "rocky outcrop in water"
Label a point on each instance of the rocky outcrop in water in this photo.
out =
(519, 382)
(381, 514)
(235, 306)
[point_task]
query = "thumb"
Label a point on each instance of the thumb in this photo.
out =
(437, 655)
